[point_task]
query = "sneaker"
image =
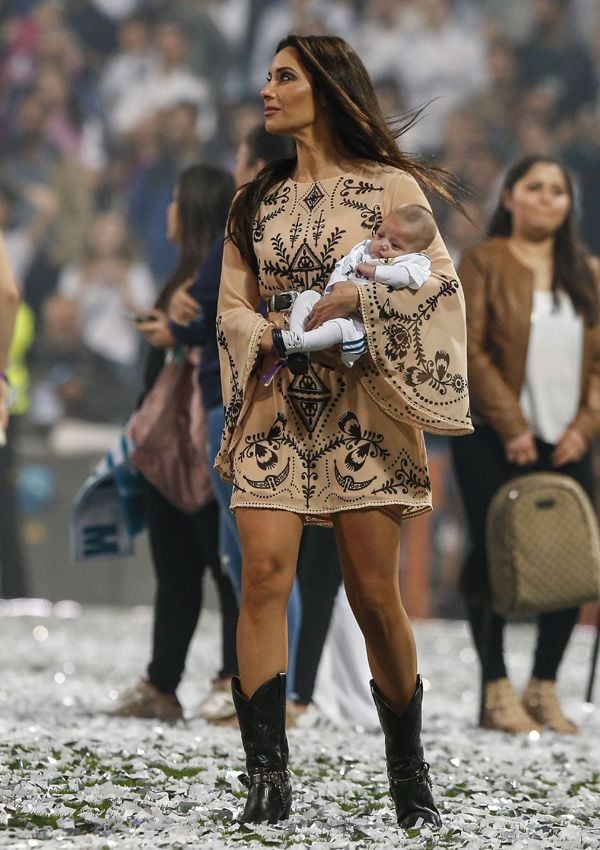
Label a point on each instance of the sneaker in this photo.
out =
(217, 706)
(145, 700)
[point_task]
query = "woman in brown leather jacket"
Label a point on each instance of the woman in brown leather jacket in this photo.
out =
(534, 382)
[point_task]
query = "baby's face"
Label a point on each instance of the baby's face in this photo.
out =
(394, 237)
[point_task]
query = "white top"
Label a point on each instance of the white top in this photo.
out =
(552, 387)
(103, 327)
(408, 271)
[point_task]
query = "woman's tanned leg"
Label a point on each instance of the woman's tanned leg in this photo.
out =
(369, 547)
(270, 542)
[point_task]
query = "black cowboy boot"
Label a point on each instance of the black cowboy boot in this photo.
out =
(262, 724)
(408, 773)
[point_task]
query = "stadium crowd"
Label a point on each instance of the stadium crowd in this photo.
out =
(104, 102)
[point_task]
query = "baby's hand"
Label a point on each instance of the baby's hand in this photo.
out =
(366, 270)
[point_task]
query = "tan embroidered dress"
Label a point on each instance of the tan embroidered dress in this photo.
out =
(339, 438)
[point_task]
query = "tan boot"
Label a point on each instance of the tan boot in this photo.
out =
(502, 709)
(541, 701)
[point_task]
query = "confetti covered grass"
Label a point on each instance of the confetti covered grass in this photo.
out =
(71, 777)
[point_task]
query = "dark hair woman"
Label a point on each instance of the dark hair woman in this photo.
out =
(182, 544)
(534, 359)
(333, 446)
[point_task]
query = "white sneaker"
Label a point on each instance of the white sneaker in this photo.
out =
(217, 706)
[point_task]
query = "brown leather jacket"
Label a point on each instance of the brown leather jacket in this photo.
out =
(499, 295)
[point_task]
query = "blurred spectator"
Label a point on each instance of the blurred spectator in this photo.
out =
(498, 103)
(65, 125)
(90, 319)
(16, 335)
(582, 155)
(130, 68)
(95, 25)
(171, 82)
(178, 147)
(23, 241)
(556, 58)
(213, 56)
(442, 61)
(30, 159)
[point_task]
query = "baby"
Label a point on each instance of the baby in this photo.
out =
(393, 257)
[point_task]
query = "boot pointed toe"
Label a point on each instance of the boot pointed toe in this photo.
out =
(428, 817)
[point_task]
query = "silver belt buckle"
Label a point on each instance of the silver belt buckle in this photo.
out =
(282, 302)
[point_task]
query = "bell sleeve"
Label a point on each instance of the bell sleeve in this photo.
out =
(417, 340)
(239, 332)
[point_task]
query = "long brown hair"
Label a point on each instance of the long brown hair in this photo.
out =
(203, 196)
(571, 271)
(341, 82)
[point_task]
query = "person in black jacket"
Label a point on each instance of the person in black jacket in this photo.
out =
(182, 544)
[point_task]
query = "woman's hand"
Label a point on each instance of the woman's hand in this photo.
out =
(277, 320)
(521, 450)
(182, 307)
(340, 303)
(156, 330)
(570, 448)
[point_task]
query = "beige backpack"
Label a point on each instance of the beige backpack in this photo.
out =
(543, 545)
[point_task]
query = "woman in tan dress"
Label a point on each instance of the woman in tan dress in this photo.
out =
(335, 445)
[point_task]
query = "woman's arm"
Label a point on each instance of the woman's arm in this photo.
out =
(586, 424)
(491, 396)
(193, 307)
(9, 303)
(243, 333)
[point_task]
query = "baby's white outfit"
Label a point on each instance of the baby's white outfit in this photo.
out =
(408, 271)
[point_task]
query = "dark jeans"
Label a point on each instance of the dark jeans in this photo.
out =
(319, 577)
(182, 546)
(13, 578)
(481, 467)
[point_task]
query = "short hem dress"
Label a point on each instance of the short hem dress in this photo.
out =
(339, 438)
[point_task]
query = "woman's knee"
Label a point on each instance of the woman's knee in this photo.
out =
(265, 580)
(374, 603)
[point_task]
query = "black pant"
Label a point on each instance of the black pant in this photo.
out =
(319, 577)
(481, 467)
(182, 546)
(13, 578)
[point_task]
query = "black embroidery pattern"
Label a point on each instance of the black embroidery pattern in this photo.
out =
(305, 269)
(309, 397)
(371, 217)
(361, 444)
(267, 450)
(278, 199)
(407, 478)
(233, 409)
(309, 446)
(313, 198)
(403, 335)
